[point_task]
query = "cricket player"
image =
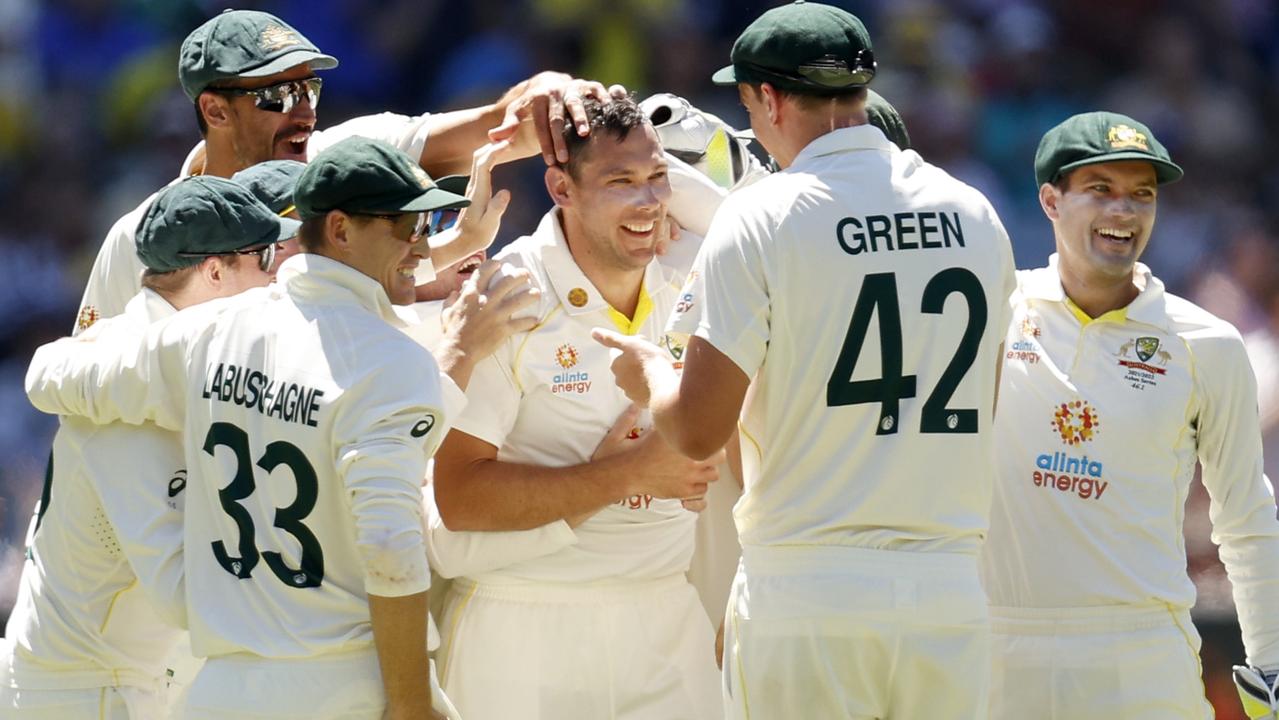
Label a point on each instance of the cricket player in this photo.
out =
(708, 158)
(308, 418)
(252, 81)
(1111, 390)
(600, 621)
(100, 603)
(860, 294)
(272, 183)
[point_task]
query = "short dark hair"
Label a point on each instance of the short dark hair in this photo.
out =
(168, 282)
(814, 100)
(200, 121)
(615, 118)
(311, 233)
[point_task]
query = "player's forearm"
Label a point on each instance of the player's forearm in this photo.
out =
(399, 635)
(488, 495)
(677, 417)
(696, 411)
(453, 137)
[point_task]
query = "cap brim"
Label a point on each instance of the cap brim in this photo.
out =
(725, 76)
(433, 199)
(317, 61)
(455, 184)
(288, 228)
(1165, 171)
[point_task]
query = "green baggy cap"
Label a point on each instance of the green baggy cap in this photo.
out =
(272, 183)
(202, 216)
(1098, 137)
(361, 175)
(884, 116)
(802, 47)
(243, 44)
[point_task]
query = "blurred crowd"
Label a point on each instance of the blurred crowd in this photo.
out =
(92, 121)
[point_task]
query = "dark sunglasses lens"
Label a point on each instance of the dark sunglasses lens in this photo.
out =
(445, 219)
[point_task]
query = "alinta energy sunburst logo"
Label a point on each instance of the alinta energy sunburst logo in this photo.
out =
(566, 356)
(1075, 422)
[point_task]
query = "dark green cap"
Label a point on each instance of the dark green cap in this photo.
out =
(243, 44)
(802, 47)
(272, 183)
(361, 175)
(884, 116)
(202, 216)
(455, 184)
(1098, 137)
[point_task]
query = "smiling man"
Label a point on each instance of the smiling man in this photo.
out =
(252, 81)
(1111, 390)
(596, 619)
(308, 417)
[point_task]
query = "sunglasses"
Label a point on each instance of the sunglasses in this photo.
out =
(280, 97)
(266, 254)
(428, 223)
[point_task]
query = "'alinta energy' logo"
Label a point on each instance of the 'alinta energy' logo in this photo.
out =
(1075, 423)
(569, 382)
(566, 356)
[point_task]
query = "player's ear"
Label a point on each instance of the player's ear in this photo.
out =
(772, 102)
(559, 186)
(1049, 196)
(211, 270)
(337, 226)
(215, 109)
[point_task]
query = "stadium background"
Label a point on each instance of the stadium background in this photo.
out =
(92, 121)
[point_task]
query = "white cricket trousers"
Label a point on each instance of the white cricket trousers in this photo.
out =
(846, 633)
(335, 686)
(641, 650)
(1130, 662)
(104, 703)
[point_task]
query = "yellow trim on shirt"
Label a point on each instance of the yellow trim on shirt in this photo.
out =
(746, 434)
(1118, 316)
(111, 605)
(519, 352)
(643, 308)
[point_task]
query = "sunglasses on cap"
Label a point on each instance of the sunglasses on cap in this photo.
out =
(280, 97)
(428, 223)
(265, 253)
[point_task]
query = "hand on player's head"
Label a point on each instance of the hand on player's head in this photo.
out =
(541, 108)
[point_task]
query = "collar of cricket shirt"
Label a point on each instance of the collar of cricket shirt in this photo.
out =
(1148, 307)
(575, 291)
(858, 137)
(320, 279)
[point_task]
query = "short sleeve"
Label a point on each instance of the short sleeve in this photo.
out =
(737, 309)
(492, 399)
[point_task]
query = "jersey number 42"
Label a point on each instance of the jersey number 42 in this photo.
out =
(879, 290)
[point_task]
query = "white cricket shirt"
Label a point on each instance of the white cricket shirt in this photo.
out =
(308, 421)
(117, 272)
(865, 291)
(547, 398)
(1100, 424)
(101, 596)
